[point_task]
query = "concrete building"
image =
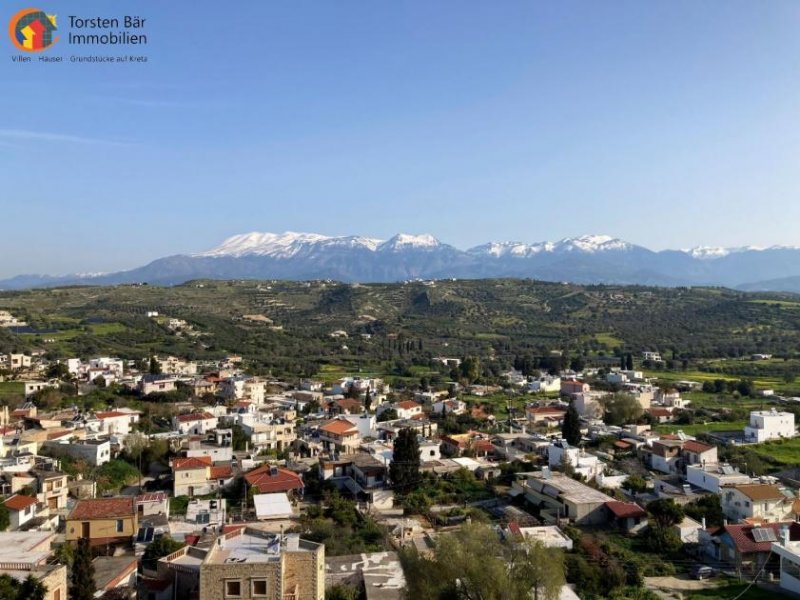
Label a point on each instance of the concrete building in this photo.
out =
(251, 564)
(789, 553)
(29, 553)
(561, 497)
(94, 452)
(103, 521)
(713, 478)
(767, 425)
(755, 502)
(340, 436)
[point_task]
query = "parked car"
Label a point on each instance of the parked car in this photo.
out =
(701, 572)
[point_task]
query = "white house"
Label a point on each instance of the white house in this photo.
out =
(755, 501)
(545, 383)
(713, 478)
(451, 406)
(21, 509)
(407, 409)
(769, 425)
(194, 423)
(588, 465)
(116, 422)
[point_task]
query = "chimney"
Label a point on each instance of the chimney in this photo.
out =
(704, 522)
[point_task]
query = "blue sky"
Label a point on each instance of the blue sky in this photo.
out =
(668, 124)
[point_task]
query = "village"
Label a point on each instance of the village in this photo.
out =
(223, 483)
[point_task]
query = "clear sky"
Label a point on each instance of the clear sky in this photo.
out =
(665, 123)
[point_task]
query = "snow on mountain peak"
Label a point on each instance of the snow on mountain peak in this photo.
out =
(406, 241)
(707, 252)
(264, 244)
(593, 243)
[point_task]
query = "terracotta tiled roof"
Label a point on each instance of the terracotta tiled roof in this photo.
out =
(110, 414)
(193, 462)
(745, 543)
(625, 510)
(151, 497)
(339, 426)
(221, 472)
(697, 447)
(204, 416)
(759, 491)
(103, 508)
(659, 412)
(546, 410)
(408, 404)
(283, 480)
(18, 502)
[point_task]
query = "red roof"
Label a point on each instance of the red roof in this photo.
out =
(408, 404)
(19, 502)
(110, 414)
(514, 528)
(745, 543)
(103, 508)
(204, 416)
(659, 412)
(339, 426)
(221, 472)
(267, 482)
(151, 497)
(697, 447)
(193, 462)
(546, 410)
(625, 510)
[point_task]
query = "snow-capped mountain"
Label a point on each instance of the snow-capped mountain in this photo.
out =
(584, 259)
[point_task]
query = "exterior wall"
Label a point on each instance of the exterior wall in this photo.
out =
(306, 572)
(190, 478)
(56, 583)
(766, 425)
(737, 506)
(790, 567)
(102, 529)
(198, 427)
(214, 576)
(19, 517)
(95, 454)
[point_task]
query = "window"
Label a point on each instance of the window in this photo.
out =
(233, 589)
(120, 525)
(259, 587)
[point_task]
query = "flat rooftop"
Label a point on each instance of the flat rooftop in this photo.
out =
(568, 488)
(254, 546)
(550, 535)
(24, 549)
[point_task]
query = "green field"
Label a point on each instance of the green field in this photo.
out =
(608, 340)
(68, 334)
(774, 383)
(696, 428)
(786, 452)
(11, 388)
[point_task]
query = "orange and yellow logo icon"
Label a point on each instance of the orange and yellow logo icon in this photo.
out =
(32, 30)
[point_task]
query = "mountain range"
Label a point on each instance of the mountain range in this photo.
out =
(585, 259)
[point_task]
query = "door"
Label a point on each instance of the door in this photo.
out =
(85, 530)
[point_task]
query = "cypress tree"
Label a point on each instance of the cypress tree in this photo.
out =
(81, 584)
(404, 468)
(571, 427)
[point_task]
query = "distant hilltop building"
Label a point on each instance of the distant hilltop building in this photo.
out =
(9, 320)
(652, 356)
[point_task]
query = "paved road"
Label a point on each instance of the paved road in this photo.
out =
(679, 583)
